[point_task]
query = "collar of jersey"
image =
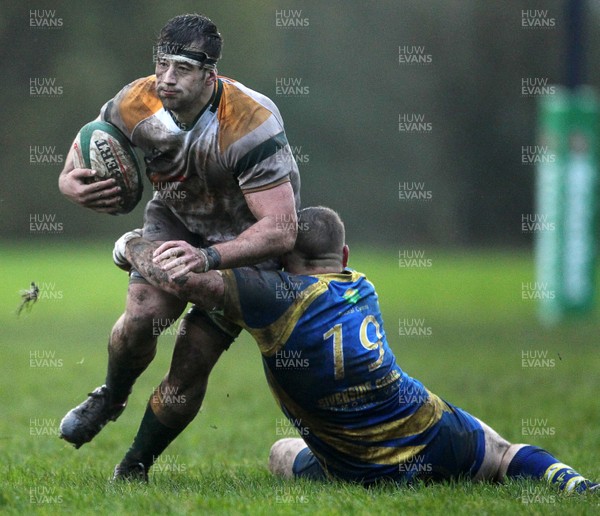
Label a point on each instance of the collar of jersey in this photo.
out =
(345, 275)
(216, 97)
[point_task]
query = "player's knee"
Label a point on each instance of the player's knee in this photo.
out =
(495, 449)
(283, 454)
(148, 313)
(147, 302)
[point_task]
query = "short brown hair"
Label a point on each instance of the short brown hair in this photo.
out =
(187, 29)
(320, 232)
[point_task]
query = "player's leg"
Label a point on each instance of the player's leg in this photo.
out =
(132, 344)
(131, 348)
(525, 461)
(504, 460)
(177, 400)
(456, 450)
(133, 340)
(291, 458)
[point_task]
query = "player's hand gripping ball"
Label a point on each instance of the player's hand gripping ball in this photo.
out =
(100, 146)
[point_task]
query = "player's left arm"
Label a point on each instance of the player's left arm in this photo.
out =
(273, 234)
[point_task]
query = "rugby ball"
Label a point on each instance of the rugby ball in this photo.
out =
(104, 148)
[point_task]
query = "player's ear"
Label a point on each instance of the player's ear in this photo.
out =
(211, 77)
(345, 255)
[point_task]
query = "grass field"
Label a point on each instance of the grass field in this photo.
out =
(476, 330)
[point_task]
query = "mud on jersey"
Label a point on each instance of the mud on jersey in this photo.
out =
(237, 145)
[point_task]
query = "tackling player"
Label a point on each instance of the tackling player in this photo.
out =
(224, 180)
(362, 417)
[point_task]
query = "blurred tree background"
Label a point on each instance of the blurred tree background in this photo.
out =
(350, 62)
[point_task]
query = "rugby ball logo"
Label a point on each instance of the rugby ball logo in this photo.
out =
(104, 148)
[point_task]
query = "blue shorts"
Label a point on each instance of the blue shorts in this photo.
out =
(456, 451)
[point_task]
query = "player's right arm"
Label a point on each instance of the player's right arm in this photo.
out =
(102, 196)
(74, 183)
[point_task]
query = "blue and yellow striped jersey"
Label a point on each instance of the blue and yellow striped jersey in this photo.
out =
(330, 368)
